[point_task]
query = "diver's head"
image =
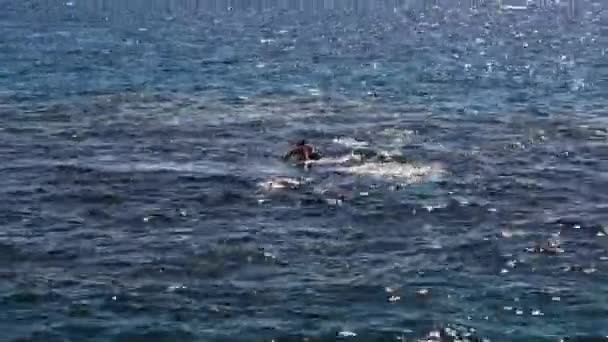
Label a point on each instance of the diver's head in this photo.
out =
(301, 142)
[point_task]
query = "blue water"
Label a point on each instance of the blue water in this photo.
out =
(137, 139)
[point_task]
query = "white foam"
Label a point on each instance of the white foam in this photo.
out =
(314, 91)
(408, 173)
(350, 142)
(332, 160)
(346, 334)
(278, 183)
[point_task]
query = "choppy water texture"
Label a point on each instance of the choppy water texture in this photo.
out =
(144, 199)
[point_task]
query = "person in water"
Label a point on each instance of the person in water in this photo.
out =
(302, 152)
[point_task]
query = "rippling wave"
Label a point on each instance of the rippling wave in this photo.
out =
(461, 198)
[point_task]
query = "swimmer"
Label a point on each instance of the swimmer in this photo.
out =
(303, 152)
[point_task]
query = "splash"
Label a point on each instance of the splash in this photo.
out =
(405, 173)
(280, 183)
(332, 160)
(350, 142)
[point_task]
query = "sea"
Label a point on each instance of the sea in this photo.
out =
(462, 194)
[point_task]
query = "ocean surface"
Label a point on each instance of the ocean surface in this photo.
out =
(462, 197)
